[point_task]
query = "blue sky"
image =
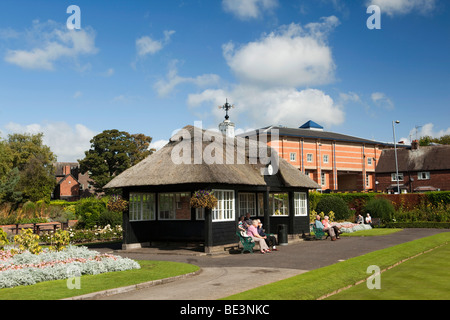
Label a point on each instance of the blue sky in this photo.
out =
(155, 66)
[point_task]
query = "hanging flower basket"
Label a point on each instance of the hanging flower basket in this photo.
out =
(203, 199)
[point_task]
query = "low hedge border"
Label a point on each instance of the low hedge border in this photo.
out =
(419, 224)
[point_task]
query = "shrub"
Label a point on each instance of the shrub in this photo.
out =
(380, 208)
(88, 212)
(28, 241)
(3, 239)
(110, 218)
(336, 204)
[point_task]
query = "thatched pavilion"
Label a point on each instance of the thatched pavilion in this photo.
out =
(243, 180)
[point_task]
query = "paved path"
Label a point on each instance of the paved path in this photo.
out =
(226, 274)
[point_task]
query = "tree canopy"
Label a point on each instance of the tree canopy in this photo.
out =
(111, 153)
(427, 140)
(26, 168)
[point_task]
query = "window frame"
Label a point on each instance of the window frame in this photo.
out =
(225, 205)
(400, 177)
(300, 204)
(247, 201)
(136, 209)
(174, 206)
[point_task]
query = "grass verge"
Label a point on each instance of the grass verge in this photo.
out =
(54, 290)
(422, 278)
(371, 232)
(319, 282)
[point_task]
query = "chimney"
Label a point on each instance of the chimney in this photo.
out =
(415, 145)
(66, 170)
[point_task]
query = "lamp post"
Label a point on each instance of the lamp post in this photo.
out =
(395, 150)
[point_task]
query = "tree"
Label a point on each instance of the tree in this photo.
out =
(428, 140)
(111, 153)
(30, 173)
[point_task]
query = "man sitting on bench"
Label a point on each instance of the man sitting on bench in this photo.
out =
(330, 231)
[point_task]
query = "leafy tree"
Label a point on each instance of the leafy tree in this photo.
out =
(111, 153)
(26, 146)
(427, 140)
(9, 187)
(34, 160)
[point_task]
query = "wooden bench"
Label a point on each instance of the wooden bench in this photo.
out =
(247, 243)
(319, 233)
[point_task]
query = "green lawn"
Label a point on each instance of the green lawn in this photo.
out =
(371, 232)
(53, 290)
(317, 283)
(422, 278)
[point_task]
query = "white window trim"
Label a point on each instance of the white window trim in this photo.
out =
(141, 207)
(293, 156)
(220, 206)
(323, 179)
(427, 175)
(326, 158)
(272, 214)
(174, 207)
(300, 204)
(247, 209)
(309, 157)
(400, 176)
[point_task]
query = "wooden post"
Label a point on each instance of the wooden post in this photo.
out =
(208, 230)
(267, 211)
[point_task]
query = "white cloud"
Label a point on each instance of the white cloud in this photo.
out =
(277, 106)
(158, 144)
(381, 100)
(66, 141)
(291, 56)
(166, 86)
(394, 7)
(77, 94)
(270, 72)
(146, 45)
(50, 43)
(248, 9)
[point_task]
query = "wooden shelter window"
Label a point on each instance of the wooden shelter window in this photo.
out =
(279, 203)
(300, 204)
(224, 211)
(142, 206)
(247, 204)
(174, 206)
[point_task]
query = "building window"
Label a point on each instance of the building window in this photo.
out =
(394, 177)
(423, 175)
(199, 213)
(300, 204)
(224, 211)
(293, 156)
(309, 157)
(174, 206)
(261, 204)
(142, 206)
(279, 202)
(325, 158)
(367, 180)
(369, 161)
(247, 204)
(323, 178)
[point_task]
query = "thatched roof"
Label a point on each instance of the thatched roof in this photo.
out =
(425, 158)
(185, 160)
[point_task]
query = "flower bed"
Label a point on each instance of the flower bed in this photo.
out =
(88, 235)
(24, 268)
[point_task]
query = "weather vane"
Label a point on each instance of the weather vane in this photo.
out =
(226, 107)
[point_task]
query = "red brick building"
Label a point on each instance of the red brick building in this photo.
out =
(71, 184)
(420, 168)
(335, 161)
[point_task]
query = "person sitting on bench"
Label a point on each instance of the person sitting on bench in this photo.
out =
(330, 231)
(327, 224)
(252, 231)
(271, 241)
